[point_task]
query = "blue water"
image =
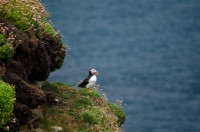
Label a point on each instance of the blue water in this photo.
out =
(147, 53)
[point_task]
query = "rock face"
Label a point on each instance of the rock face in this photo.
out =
(35, 57)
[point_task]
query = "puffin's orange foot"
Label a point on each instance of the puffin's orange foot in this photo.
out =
(89, 90)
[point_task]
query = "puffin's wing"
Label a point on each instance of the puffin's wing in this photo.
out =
(84, 83)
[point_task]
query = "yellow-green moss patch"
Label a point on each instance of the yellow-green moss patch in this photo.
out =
(7, 100)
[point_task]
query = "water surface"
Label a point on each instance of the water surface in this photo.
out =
(147, 53)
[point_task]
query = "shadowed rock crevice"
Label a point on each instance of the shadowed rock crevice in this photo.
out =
(35, 57)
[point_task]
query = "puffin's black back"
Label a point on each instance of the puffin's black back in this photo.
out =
(86, 81)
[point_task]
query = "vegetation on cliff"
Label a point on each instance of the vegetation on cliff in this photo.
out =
(27, 16)
(29, 50)
(79, 110)
(6, 43)
(7, 100)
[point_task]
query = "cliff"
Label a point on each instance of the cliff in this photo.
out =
(33, 60)
(29, 50)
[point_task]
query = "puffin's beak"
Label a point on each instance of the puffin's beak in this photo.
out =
(96, 72)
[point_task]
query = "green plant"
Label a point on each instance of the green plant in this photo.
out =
(25, 15)
(2, 39)
(7, 39)
(88, 117)
(49, 29)
(61, 84)
(83, 102)
(7, 51)
(50, 86)
(118, 111)
(7, 100)
(85, 92)
(45, 124)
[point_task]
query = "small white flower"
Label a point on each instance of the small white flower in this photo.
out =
(14, 120)
(7, 128)
(56, 100)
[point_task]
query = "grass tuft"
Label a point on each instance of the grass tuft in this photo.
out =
(7, 39)
(26, 15)
(83, 102)
(88, 117)
(118, 111)
(61, 84)
(50, 86)
(49, 29)
(2, 39)
(85, 92)
(6, 51)
(45, 123)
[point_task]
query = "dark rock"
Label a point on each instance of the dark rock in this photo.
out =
(22, 112)
(26, 93)
(50, 98)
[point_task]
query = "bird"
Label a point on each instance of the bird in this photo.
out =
(90, 80)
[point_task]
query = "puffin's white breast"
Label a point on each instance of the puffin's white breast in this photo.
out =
(91, 81)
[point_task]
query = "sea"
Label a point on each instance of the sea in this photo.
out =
(147, 53)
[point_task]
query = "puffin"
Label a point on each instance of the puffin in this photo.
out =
(90, 80)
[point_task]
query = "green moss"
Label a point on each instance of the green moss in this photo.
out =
(50, 86)
(88, 117)
(59, 89)
(2, 39)
(118, 111)
(62, 84)
(6, 51)
(83, 102)
(85, 92)
(7, 95)
(49, 29)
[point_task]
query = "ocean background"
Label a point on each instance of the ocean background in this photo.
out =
(147, 53)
